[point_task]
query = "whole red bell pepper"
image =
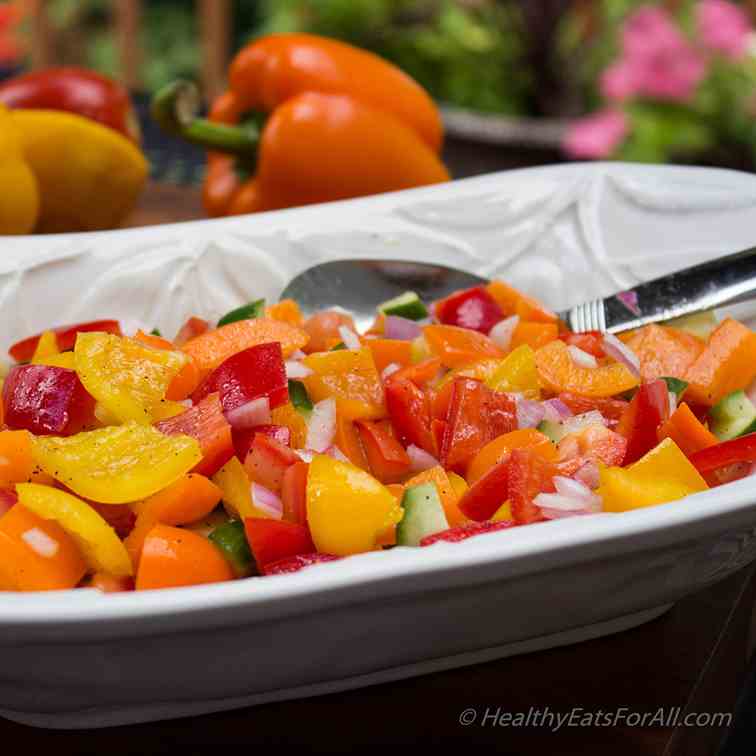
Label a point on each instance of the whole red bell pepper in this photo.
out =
(267, 461)
(253, 373)
(387, 458)
(65, 336)
(476, 416)
(648, 409)
(207, 423)
(76, 90)
(741, 449)
(273, 540)
(472, 308)
(529, 475)
(46, 400)
(409, 410)
(487, 494)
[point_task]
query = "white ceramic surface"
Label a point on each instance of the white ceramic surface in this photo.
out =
(82, 659)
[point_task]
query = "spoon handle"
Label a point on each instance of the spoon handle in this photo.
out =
(724, 281)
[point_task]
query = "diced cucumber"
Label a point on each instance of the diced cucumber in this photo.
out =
(249, 311)
(155, 332)
(299, 397)
(554, 431)
(733, 416)
(700, 324)
(419, 350)
(231, 539)
(338, 347)
(407, 305)
(423, 515)
(675, 385)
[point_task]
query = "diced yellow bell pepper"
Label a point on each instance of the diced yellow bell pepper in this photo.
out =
(347, 509)
(458, 484)
(62, 360)
(47, 346)
(292, 418)
(117, 464)
(350, 377)
(166, 408)
(504, 512)
(664, 474)
(420, 350)
(517, 372)
(481, 371)
(232, 479)
(99, 544)
(126, 376)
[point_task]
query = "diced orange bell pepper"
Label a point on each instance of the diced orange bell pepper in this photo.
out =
(558, 372)
(664, 351)
(37, 554)
(420, 373)
(186, 380)
(446, 492)
(458, 347)
(193, 327)
(687, 431)
(107, 583)
(173, 557)
(500, 448)
(351, 378)
(214, 347)
(323, 329)
(388, 351)
(388, 460)
(347, 439)
(288, 416)
(513, 302)
(16, 461)
(535, 335)
(728, 363)
(287, 311)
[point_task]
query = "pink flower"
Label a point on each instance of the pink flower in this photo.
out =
(723, 27)
(650, 29)
(673, 74)
(622, 80)
(597, 135)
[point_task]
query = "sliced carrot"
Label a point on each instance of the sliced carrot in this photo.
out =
(664, 351)
(174, 557)
(347, 438)
(16, 462)
(287, 311)
(728, 363)
(37, 554)
(189, 499)
(500, 448)
(687, 431)
(186, 380)
(535, 335)
(456, 347)
(388, 351)
(514, 302)
(446, 492)
(213, 347)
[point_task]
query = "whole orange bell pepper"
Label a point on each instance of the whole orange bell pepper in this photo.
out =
(308, 119)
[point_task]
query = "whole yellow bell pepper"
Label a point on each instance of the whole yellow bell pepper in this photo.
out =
(19, 195)
(664, 474)
(88, 176)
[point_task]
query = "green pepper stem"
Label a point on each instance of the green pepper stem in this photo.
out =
(175, 108)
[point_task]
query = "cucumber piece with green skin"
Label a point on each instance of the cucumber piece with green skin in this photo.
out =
(299, 397)
(407, 305)
(249, 311)
(553, 431)
(675, 385)
(423, 515)
(231, 539)
(732, 416)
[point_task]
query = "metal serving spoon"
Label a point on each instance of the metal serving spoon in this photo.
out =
(359, 286)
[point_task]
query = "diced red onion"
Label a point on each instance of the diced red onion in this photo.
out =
(390, 369)
(349, 337)
(588, 474)
(266, 501)
(672, 402)
(550, 513)
(556, 410)
(529, 413)
(751, 391)
(40, 543)
(614, 348)
(321, 427)
(295, 369)
(558, 501)
(298, 355)
(420, 459)
(305, 455)
(581, 358)
(578, 422)
(501, 333)
(575, 489)
(404, 329)
(253, 412)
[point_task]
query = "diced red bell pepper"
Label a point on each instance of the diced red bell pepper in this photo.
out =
(8, 498)
(65, 336)
(472, 308)
(487, 494)
(193, 327)
(294, 493)
(594, 443)
(387, 458)
(46, 400)
(243, 437)
(611, 409)
(741, 449)
(267, 461)
(438, 429)
(409, 411)
(591, 342)
(273, 540)
(468, 530)
(476, 416)
(253, 373)
(205, 422)
(648, 409)
(419, 373)
(529, 475)
(296, 563)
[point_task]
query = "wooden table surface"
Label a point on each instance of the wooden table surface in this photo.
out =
(694, 657)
